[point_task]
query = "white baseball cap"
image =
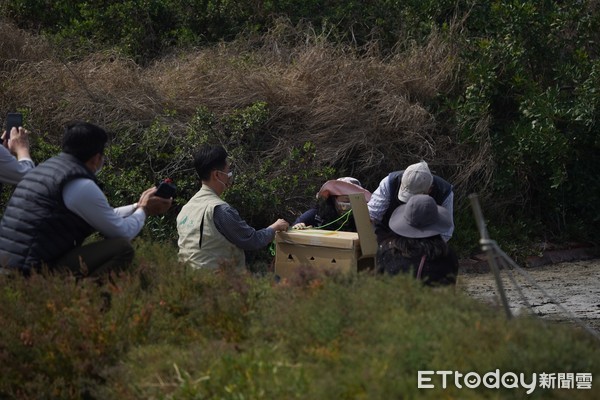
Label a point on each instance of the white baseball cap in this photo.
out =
(416, 179)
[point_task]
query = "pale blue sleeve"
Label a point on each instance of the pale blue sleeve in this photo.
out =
(380, 201)
(84, 198)
(11, 170)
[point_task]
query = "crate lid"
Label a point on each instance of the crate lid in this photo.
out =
(319, 237)
(364, 227)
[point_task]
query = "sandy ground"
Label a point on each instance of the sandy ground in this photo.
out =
(575, 285)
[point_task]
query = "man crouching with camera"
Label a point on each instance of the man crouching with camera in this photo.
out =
(57, 205)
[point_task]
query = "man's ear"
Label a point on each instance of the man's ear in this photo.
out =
(93, 161)
(213, 175)
(97, 158)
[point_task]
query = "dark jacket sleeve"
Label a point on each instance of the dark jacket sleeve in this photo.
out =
(307, 218)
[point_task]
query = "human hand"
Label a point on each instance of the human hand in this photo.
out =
(18, 143)
(153, 205)
(158, 205)
(280, 225)
(301, 225)
(145, 196)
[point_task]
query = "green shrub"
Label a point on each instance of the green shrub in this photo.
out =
(528, 83)
(57, 344)
(171, 332)
(145, 29)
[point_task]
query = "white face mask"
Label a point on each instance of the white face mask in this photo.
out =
(229, 175)
(344, 206)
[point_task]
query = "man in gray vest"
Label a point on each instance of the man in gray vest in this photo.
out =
(211, 232)
(58, 204)
(399, 186)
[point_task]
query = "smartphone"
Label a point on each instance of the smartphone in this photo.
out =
(13, 120)
(166, 189)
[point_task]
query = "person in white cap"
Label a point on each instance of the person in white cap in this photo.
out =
(332, 208)
(416, 246)
(399, 186)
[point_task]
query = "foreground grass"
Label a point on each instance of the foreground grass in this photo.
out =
(174, 333)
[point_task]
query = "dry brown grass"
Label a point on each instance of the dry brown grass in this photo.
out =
(366, 114)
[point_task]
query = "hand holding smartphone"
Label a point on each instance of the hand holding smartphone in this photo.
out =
(13, 120)
(166, 189)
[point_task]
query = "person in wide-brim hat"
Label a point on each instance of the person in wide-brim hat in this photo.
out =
(343, 187)
(416, 245)
(420, 217)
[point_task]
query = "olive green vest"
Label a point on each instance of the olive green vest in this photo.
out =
(201, 245)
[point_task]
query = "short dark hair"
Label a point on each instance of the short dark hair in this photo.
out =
(209, 158)
(84, 140)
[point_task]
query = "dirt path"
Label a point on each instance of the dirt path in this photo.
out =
(576, 285)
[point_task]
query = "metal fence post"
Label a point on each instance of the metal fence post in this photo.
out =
(489, 250)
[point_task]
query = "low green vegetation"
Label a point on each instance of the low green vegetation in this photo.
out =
(167, 332)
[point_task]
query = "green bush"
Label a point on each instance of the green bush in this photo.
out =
(142, 29)
(531, 81)
(145, 29)
(171, 332)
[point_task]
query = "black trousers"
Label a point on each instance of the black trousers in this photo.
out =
(98, 258)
